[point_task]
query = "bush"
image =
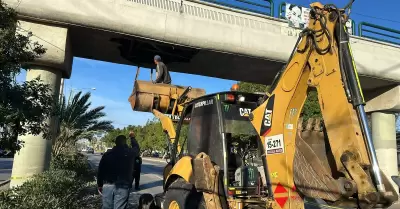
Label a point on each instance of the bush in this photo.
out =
(69, 184)
(54, 189)
(73, 161)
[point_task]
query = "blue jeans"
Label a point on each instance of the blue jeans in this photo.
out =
(115, 197)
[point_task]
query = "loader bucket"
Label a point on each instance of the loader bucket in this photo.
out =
(147, 96)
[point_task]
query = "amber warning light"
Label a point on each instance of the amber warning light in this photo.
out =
(235, 87)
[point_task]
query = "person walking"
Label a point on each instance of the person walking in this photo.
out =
(162, 74)
(115, 174)
(138, 170)
(138, 162)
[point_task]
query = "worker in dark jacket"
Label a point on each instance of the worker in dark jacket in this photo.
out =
(115, 174)
(162, 74)
(138, 162)
(138, 170)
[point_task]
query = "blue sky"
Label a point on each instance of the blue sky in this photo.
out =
(114, 82)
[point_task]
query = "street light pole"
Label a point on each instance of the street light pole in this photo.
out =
(61, 94)
(61, 89)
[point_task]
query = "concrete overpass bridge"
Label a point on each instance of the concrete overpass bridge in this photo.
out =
(188, 34)
(193, 37)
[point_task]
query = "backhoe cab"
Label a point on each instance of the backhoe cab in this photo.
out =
(222, 156)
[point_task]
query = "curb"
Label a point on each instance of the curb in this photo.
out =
(154, 159)
(2, 183)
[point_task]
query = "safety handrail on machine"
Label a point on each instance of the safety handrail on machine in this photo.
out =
(248, 2)
(382, 32)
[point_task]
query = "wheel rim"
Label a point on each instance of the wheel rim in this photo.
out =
(173, 205)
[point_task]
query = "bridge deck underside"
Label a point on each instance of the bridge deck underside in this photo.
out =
(194, 38)
(116, 48)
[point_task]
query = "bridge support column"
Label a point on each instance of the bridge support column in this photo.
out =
(34, 157)
(384, 136)
(383, 123)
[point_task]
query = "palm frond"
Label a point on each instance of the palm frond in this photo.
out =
(78, 121)
(101, 126)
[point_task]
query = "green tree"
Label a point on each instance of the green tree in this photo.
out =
(150, 136)
(311, 106)
(77, 121)
(24, 108)
(154, 137)
(252, 87)
(109, 138)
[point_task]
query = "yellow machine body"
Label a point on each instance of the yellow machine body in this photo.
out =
(328, 160)
(147, 96)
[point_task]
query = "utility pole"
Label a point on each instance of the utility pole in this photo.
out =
(61, 90)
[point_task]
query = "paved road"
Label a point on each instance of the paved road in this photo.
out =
(5, 168)
(151, 175)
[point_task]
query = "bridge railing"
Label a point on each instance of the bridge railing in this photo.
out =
(379, 33)
(282, 10)
(265, 7)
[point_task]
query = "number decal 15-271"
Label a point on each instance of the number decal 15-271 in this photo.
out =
(274, 144)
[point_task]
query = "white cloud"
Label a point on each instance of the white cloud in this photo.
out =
(120, 112)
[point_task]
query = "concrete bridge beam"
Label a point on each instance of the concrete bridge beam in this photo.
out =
(35, 155)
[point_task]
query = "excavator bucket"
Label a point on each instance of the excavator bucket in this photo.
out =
(147, 96)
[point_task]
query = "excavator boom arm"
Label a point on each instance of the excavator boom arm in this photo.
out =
(322, 60)
(168, 127)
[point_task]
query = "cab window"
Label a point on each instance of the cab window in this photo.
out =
(204, 133)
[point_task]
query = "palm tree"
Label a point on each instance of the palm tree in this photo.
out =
(77, 121)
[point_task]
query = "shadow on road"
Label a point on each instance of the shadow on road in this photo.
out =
(151, 169)
(150, 185)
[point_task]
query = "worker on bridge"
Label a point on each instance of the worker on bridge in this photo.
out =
(162, 74)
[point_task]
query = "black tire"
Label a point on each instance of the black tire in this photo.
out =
(185, 195)
(146, 201)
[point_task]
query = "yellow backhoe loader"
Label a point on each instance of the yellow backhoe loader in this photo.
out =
(248, 151)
